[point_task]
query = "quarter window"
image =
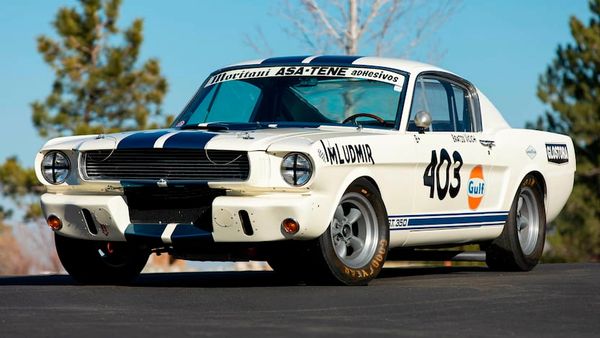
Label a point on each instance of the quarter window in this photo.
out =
(447, 103)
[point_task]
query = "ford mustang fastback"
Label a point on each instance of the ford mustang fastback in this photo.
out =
(319, 165)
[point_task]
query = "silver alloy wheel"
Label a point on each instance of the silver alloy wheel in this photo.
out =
(528, 220)
(354, 230)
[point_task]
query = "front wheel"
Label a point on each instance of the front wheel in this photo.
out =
(354, 247)
(520, 246)
(98, 262)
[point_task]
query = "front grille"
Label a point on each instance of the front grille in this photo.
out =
(168, 164)
(172, 205)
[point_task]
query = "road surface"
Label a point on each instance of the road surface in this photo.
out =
(554, 300)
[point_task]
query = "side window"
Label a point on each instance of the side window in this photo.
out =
(446, 102)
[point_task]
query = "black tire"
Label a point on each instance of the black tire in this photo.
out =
(511, 251)
(97, 262)
(291, 260)
(329, 266)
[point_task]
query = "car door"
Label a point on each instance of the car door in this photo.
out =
(452, 159)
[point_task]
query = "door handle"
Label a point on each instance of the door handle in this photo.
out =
(487, 143)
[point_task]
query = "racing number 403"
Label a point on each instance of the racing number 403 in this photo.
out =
(431, 176)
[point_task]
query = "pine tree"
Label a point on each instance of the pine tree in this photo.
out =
(98, 85)
(571, 88)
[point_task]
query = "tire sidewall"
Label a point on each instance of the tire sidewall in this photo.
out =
(530, 260)
(81, 260)
(360, 275)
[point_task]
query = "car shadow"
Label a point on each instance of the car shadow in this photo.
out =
(229, 279)
(412, 271)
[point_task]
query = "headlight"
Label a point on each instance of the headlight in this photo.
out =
(296, 169)
(55, 167)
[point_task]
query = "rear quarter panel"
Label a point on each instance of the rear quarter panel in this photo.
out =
(522, 151)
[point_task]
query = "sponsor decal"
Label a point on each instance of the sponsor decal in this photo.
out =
(530, 151)
(346, 153)
(475, 187)
(460, 138)
(326, 71)
(557, 153)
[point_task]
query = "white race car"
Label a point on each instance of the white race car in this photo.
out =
(319, 165)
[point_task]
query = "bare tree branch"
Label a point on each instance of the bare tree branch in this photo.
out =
(261, 45)
(377, 27)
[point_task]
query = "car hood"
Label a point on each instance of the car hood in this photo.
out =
(272, 138)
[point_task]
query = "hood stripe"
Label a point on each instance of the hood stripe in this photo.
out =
(335, 59)
(160, 142)
(188, 140)
(310, 58)
(283, 59)
(141, 140)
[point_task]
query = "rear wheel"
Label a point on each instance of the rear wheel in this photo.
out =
(520, 246)
(98, 262)
(354, 247)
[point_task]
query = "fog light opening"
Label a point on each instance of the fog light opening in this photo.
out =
(290, 226)
(54, 222)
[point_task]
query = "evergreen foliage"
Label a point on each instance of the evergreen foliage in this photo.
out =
(571, 88)
(98, 86)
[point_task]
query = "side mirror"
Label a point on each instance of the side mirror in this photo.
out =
(422, 121)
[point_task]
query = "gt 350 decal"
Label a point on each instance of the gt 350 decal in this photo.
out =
(346, 154)
(431, 176)
(557, 153)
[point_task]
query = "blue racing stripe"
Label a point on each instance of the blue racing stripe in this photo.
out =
(451, 214)
(334, 59)
(447, 226)
(283, 60)
(188, 140)
(189, 236)
(448, 221)
(147, 234)
(456, 220)
(141, 140)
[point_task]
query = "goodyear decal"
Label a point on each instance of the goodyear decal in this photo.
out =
(308, 70)
(475, 187)
(444, 221)
(334, 153)
(557, 153)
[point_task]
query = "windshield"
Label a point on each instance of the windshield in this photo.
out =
(275, 95)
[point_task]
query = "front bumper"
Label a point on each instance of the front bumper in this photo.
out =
(111, 221)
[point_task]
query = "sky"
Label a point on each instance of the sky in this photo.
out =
(500, 46)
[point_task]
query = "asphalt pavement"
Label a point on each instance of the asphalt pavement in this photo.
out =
(554, 300)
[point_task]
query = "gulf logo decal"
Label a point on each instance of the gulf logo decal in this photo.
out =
(475, 187)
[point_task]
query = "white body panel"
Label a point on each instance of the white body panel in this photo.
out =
(396, 162)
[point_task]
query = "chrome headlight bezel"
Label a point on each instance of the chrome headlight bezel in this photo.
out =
(55, 167)
(296, 169)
